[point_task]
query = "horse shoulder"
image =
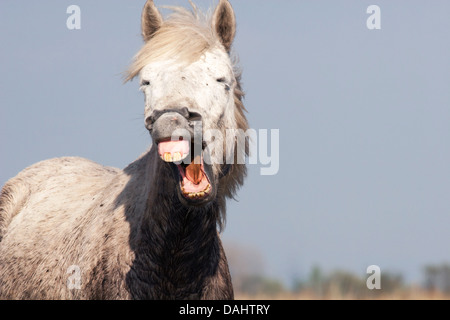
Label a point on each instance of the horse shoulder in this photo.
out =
(44, 212)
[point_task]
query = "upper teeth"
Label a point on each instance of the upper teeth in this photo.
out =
(167, 157)
(175, 157)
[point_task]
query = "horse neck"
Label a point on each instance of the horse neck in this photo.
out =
(165, 213)
(182, 239)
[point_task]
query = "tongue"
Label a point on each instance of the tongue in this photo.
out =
(171, 151)
(194, 179)
(194, 171)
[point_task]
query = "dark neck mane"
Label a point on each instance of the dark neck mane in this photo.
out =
(178, 252)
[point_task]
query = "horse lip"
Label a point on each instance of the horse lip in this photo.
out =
(194, 149)
(161, 140)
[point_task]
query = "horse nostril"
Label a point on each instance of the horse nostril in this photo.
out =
(149, 122)
(194, 116)
(191, 116)
(184, 112)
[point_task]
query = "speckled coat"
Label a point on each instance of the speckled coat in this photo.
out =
(74, 229)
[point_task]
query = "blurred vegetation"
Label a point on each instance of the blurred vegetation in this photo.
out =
(437, 278)
(339, 283)
(250, 282)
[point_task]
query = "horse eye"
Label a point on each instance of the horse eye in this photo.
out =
(221, 80)
(145, 83)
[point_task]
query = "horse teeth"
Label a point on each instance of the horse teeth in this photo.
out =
(168, 157)
(177, 156)
(196, 195)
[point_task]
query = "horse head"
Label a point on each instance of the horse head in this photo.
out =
(192, 97)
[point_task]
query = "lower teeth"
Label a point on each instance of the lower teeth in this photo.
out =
(200, 194)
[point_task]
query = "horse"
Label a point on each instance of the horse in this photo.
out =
(74, 229)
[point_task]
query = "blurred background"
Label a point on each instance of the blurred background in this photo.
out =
(364, 116)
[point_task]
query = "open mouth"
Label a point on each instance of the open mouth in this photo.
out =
(194, 182)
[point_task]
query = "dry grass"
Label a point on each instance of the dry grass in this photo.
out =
(410, 294)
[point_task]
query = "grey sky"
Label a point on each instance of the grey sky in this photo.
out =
(363, 117)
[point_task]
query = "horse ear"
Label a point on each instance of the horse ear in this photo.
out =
(224, 23)
(151, 20)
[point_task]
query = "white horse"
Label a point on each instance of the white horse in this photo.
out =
(73, 229)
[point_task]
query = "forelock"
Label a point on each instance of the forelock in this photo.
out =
(184, 36)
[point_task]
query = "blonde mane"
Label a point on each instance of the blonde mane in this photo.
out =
(185, 36)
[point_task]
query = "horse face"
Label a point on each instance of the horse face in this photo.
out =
(205, 88)
(190, 96)
(183, 104)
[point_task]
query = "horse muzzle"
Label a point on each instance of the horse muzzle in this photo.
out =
(170, 124)
(178, 138)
